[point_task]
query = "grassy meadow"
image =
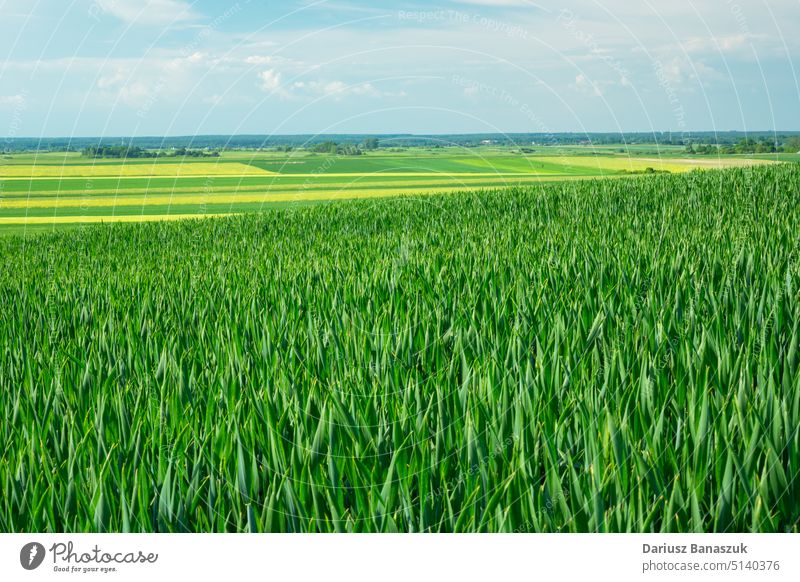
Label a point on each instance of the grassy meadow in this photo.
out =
(559, 355)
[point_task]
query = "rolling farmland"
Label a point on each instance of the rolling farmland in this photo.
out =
(583, 355)
(280, 269)
(57, 190)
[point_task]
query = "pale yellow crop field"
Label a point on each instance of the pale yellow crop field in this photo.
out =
(279, 187)
(245, 196)
(16, 220)
(241, 198)
(635, 164)
(138, 170)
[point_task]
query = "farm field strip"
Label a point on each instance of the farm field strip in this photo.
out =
(75, 214)
(564, 164)
(16, 220)
(110, 186)
(126, 171)
(611, 163)
(311, 182)
(223, 198)
(410, 174)
(283, 186)
(502, 165)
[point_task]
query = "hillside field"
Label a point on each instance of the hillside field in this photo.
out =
(57, 190)
(566, 356)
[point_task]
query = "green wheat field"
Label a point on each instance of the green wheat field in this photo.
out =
(556, 355)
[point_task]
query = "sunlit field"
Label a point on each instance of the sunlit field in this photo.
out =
(612, 355)
(68, 189)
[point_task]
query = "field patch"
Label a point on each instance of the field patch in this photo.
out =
(17, 220)
(602, 164)
(137, 170)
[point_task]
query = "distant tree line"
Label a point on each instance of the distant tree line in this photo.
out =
(131, 151)
(747, 146)
(344, 149)
(191, 153)
(120, 151)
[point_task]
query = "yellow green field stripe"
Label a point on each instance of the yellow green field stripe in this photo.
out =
(8, 220)
(137, 171)
(270, 196)
(279, 187)
(265, 173)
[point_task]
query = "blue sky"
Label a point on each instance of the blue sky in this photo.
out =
(177, 67)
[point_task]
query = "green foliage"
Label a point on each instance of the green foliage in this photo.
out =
(760, 146)
(331, 147)
(134, 152)
(616, 355)
(119, 151)
(792, 145)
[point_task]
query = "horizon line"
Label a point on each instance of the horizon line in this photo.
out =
(10, 139)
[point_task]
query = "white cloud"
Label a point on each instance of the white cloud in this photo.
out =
(682, 73)
(149, 12)
(705, 73)
(332, 88)
(339, 89)
(142, 83)
(130, 91)
(270, 80)
(196, 57)
(586, 85)
(744, 45)
(361, 89)
(12, 100)
(139, 93)
(215, 99)
(723, 44)
(258, 60)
